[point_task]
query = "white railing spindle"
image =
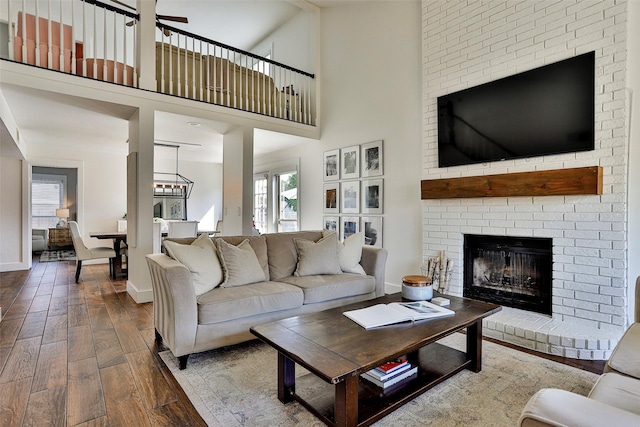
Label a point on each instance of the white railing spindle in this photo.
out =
(105, 69)
(62, 45)
(49, 37)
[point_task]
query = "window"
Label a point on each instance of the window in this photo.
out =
(276, 196)
(287, 196)
(47, 194)
(260, 205)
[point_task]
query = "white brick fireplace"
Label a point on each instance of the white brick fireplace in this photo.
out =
(467, 43)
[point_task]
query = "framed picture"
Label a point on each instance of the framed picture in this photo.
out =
(350, 197)
(372, 194)
(349, 225)
(331, 165)
(331, 223)
(372, 226)
(350, 161)
(332, 198)
(372, 159)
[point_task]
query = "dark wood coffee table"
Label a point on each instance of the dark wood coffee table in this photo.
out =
(337, 350)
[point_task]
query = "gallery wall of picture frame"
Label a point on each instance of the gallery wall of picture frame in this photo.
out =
(354, 191)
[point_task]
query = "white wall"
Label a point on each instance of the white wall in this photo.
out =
(370, 90)
(293, 43)
(11, 229)
(633, 83)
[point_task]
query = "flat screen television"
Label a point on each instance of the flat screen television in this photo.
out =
(548, 110)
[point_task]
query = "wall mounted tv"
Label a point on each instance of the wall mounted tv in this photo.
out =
(548, 110)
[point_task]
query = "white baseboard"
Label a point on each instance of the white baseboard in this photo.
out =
(139, 296)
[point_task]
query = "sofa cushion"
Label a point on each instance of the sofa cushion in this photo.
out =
(283, 257)
(626, 356)
(350, 252)
(201, 258)
(328, 287)
(239, 264)
(259, 245)
(319, 257)
(223, 304)
(617, 390)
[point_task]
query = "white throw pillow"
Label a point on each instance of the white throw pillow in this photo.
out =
(350, 252)
(201, 258)
(240, 264)
(319, 257)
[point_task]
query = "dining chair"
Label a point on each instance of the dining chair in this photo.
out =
(183, 229)
(83, 253)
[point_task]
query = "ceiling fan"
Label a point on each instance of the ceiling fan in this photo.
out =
(181, 19)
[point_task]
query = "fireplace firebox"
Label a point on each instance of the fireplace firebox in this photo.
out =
(511, 271)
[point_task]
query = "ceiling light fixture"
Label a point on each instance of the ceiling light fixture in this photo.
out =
(194, 124)
(171, 185)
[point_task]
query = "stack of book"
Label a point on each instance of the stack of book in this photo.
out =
(391, 373)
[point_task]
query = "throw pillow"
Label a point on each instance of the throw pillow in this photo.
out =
(350, 252)
(201, 258)
(239, 263)
(319, 257)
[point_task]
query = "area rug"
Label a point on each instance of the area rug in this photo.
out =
(48, 256)
(236, 386)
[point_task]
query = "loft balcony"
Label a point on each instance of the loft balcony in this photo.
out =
(95, 40)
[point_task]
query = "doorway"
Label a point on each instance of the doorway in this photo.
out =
(52, 190)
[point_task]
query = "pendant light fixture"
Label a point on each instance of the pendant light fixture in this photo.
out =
(171, 185)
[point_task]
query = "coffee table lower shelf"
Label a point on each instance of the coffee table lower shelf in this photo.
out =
(436, 363)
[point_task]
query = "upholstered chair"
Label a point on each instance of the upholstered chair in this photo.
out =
(83, 253)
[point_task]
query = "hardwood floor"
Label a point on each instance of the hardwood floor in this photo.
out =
(82, 354)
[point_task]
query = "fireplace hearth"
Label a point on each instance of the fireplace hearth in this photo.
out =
(511, 271)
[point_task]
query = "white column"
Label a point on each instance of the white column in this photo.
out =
(140, 203)
(237, 187)
(145, 37)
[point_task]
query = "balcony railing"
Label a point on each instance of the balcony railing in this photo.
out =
(94, 40)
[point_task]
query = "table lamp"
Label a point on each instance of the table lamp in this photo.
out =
(63, 214)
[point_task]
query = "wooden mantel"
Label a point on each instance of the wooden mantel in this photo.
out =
(558, 182)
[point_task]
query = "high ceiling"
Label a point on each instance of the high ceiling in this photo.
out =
(103, 126)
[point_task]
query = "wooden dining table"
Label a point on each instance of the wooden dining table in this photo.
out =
(118, 237)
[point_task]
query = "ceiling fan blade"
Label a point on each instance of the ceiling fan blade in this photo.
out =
(131, 23)
(123, 4)
(181, 19)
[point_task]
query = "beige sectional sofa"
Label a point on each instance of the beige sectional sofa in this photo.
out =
(614, 400)
(295, 274)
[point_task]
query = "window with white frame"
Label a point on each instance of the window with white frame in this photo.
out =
(287, 196)
(260, 203)
(48, 193)
(275, 197)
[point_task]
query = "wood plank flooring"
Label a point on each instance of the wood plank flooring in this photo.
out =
(84, 354)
